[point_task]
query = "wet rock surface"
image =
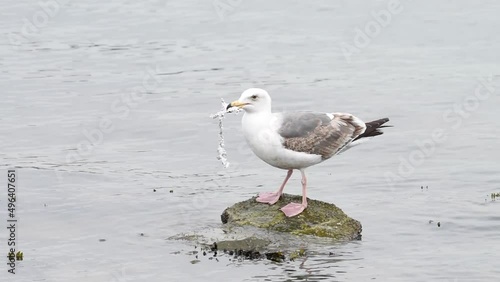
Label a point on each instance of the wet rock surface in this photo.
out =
(320, 219)
(257, 231)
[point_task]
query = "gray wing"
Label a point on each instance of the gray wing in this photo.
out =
(319, 134)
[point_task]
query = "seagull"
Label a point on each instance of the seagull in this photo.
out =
(297, 140)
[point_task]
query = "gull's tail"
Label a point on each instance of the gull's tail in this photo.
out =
(373, 128)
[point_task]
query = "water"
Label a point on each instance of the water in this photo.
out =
(140, 79)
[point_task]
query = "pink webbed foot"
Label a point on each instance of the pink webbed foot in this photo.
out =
(293, 209)
(268, 198)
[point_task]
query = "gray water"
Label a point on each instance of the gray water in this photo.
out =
(141, 78)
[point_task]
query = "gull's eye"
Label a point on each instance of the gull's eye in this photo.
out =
(254, 97)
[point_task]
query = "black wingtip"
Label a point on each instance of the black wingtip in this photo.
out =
(373, 128)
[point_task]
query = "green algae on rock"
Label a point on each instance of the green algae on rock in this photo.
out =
(250, 243)
(318, 219)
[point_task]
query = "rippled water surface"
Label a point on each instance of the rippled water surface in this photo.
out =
(138, 80)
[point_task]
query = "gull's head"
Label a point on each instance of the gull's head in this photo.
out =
(253, 100)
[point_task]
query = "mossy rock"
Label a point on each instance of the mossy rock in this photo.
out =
(250, 243)
(318, 219)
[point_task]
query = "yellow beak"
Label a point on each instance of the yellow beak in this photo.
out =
(236, 104)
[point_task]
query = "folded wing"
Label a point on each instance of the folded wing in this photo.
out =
(319, 134)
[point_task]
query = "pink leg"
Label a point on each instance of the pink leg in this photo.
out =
(272, 197)
(294, 209)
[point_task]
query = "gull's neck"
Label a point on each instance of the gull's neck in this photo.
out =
(260, 114)
(256, 121)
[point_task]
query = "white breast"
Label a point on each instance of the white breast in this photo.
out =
(261, 133)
